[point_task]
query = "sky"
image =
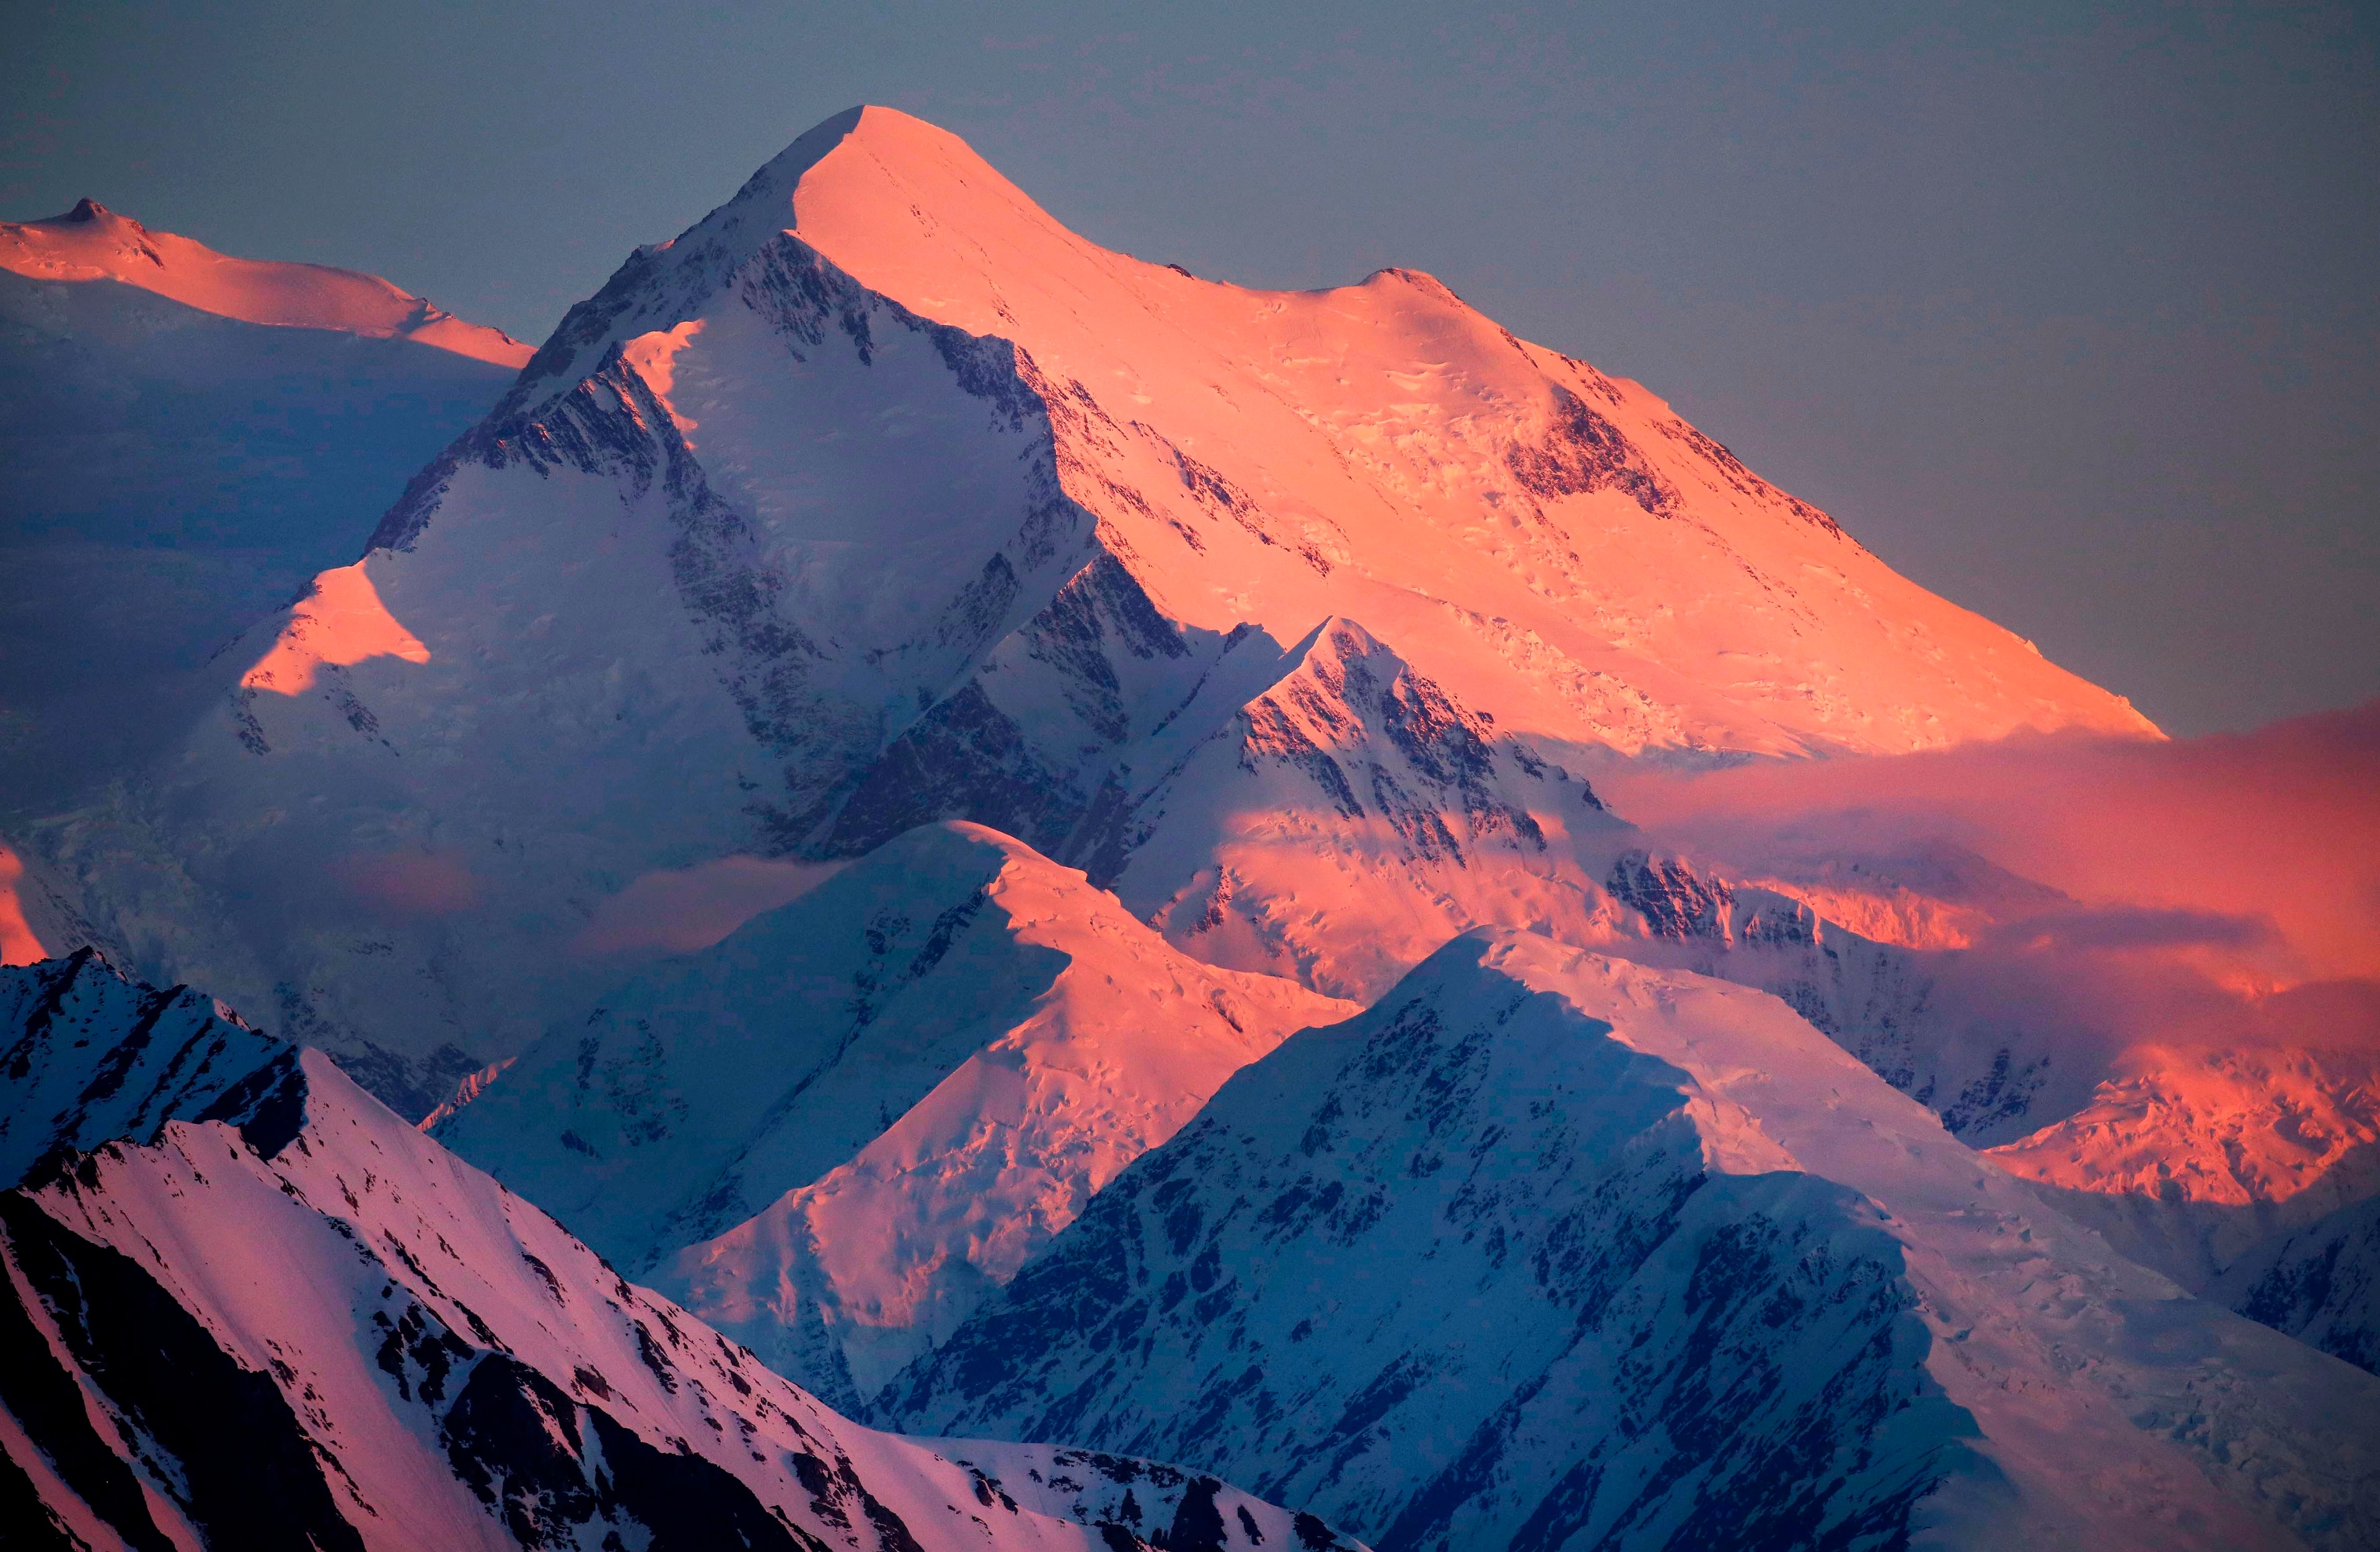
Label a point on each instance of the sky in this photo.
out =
(2071, 313)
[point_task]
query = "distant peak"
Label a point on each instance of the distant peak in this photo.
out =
(89, 211)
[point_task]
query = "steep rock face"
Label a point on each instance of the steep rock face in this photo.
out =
(875, 499)
(2321, 1284)
(832, 1134)
(1348, 817)
(296, 1322)
(1549, 1250)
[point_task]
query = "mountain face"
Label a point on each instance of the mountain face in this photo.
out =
(1550, 1250)
(2321, 1284)
(185, 439)
(821, 786)
(1883, 1002)
(2192, 1159)
(877, 499)
(289, 1320)
(831, 1133)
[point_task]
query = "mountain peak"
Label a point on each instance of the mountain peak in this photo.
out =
(86, 209)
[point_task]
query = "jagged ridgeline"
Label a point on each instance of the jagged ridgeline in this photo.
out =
(244, 1307)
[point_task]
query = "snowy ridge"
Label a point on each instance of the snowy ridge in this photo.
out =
(94, 243)
(1878, 1000)
(834, 1132)
(310, 1298)
(1349, 818)
(1385, 447)
(2187, 1158)
(184, 440)
(1551, 1250)
(91, 1056)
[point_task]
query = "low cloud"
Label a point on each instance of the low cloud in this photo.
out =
(681, 909)
(2119, 928)
(2121, 896)
(407, 885)
(2262, 845)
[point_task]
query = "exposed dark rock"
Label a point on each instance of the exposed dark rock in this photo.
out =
(242, 1468)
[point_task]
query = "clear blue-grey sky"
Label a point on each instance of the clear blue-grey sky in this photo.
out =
(2071, 312)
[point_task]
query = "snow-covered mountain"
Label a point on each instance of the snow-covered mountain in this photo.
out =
(831, 1133)
(2320, 1284)
(1551, 1250)
(877, 498)
(286, 1320)
(1881, 1001)
(185, 439)
(91, 1058)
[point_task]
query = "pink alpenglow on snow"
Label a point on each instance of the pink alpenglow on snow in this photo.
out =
(18, 945)
(2277, 825)
(341, 621)
(94, 243)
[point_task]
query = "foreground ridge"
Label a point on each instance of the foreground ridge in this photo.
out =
(290, 1320)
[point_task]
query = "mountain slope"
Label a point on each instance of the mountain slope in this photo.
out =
(1582, 533)
(1550, 1250)
(2186, 1159)
(186, 438)
(834, 1132)
(293, 1321)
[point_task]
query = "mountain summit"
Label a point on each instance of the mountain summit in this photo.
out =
(1389, 431)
